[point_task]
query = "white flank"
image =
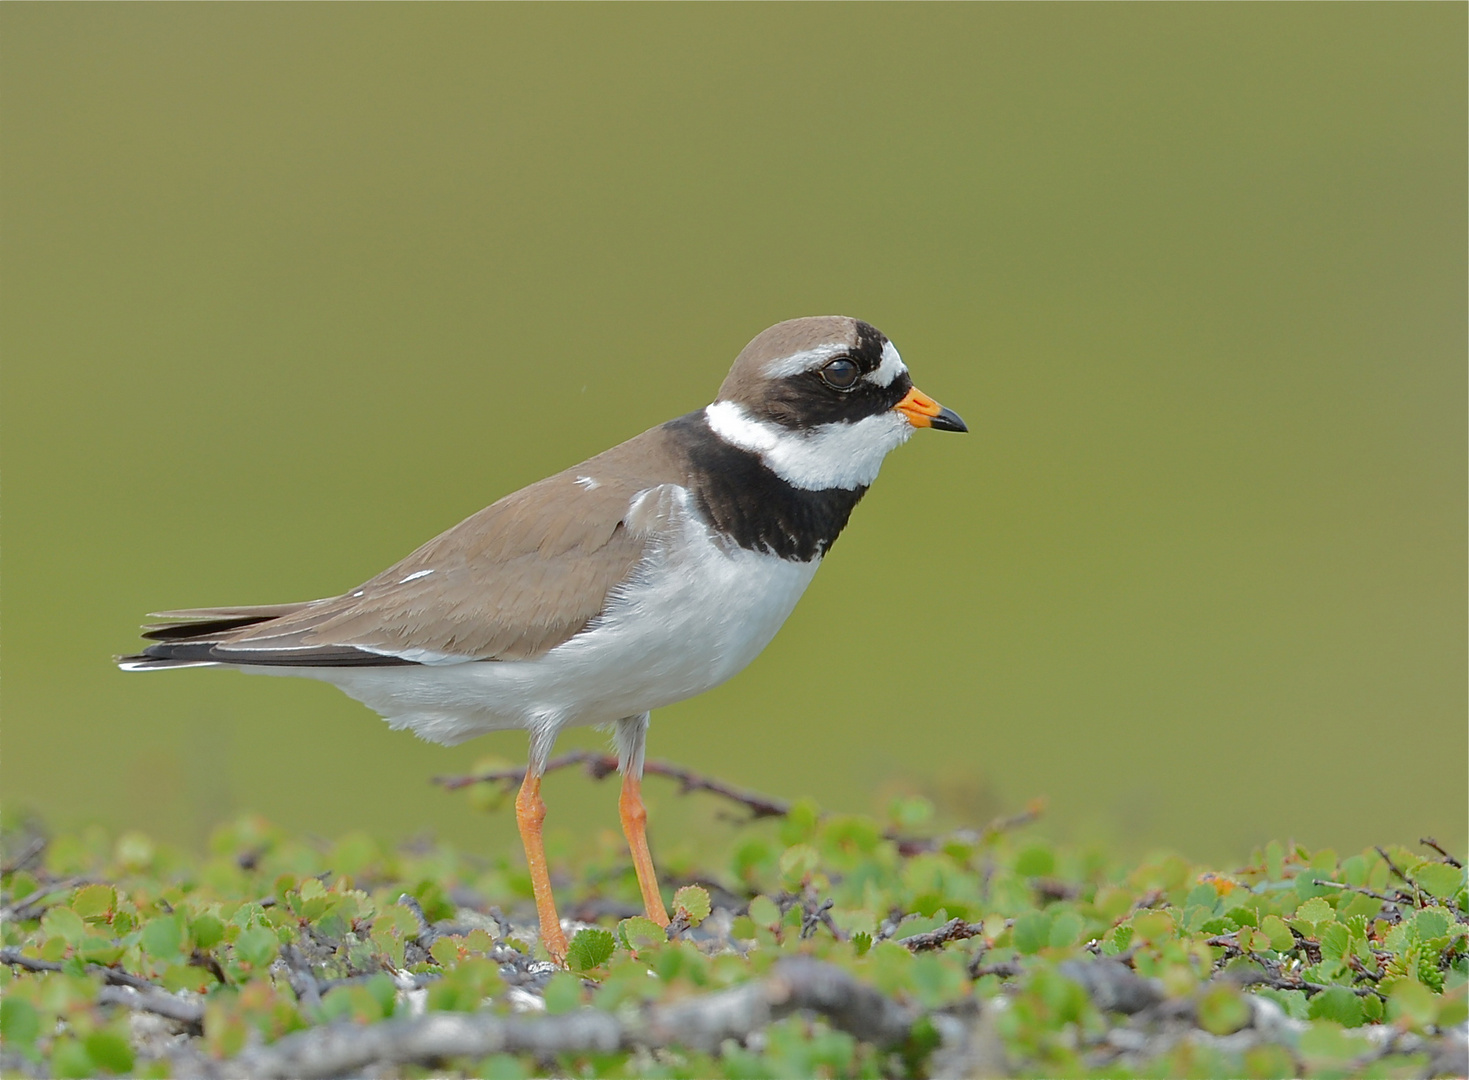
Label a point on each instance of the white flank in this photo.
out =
(891, 367)
(414, 576)
(154, 665)
(420, 656)
(691, 615)
(839, 455)
(805, 360)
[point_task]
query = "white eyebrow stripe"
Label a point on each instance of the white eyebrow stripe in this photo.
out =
(805, 360)
(414, 576)
(891, 367)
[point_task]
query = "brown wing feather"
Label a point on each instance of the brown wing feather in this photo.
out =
(508, 583)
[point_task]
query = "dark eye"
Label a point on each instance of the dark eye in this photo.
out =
(841, 373)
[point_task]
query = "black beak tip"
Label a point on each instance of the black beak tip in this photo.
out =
(948, 420)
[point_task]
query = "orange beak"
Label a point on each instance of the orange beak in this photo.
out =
(923, 411)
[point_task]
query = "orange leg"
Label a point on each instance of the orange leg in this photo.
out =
(530, 812)
(634, 827)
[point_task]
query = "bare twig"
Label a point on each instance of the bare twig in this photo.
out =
(160, 1002)
(599, 766)
(917, 845)
(1282, 982)
(30, 907)
(114, 976)
(426, 933)
(1428, 841)
(953, 930)
(1390, 864)
(1397, 900)
(702, 1023)
(25, 855)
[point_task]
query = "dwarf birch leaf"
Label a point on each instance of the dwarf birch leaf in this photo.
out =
(94, 901)
(256, 946)
(1440, 879)
(1336, 1003)
(693, 902)
(641, 933)
(589, 949)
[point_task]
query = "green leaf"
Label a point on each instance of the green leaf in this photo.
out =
(1281, 939)
(70, 1061)
(1431, 923)
(134, 850)
(1337, 1003)
(19, 1024)
(446, 951)
(1336, 940)
(64, 923)
(257, 946)
(1439, 879)
(1035, 861)
(911, 812)
(1153, 926)
(1412, 1001)
(1222, 1011)
(163, 937)
(1316, 910)
(861, 942)
(1452, 1011)
(692, 901)
(1274, 861)
(207, 931)
(562, 993)
(110, 1051)
(433, 900)
(501, 1066)
(381, 989)
(1371, 1008)
(95, 949)
(590, 949)
(94, 902)
(1326, 1041)
(186, 977)
(639, 932)
(937, 979)
(798, 861)
(1065, 929)
(1032, 932)
(764, 912)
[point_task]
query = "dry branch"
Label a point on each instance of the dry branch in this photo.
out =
(701, 1023)
(159, 1002)
(1428, 841)
(599, 766)
(111, 976)
(953, 930)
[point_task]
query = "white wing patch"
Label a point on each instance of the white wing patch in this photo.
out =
(838, 455)
(587, 483)
(414, 576)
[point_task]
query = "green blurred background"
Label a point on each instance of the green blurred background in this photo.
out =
(289, 289)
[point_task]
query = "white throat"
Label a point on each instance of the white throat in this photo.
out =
(838, 455)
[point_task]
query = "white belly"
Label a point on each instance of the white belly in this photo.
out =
(693, 615)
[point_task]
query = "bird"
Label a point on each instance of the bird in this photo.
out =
(640, 577)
